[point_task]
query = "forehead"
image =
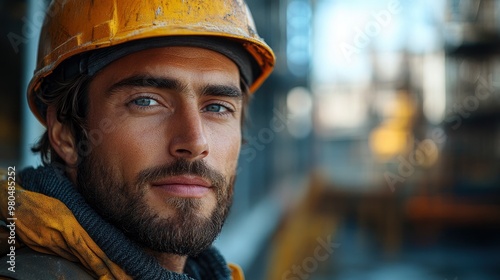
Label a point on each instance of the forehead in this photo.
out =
(184, 63)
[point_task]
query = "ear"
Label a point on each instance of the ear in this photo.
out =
(61, 139)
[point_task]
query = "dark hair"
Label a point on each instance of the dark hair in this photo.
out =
(69, 98)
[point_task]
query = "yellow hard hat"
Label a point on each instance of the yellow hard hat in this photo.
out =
(74, 27)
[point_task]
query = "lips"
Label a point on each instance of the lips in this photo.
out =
(183, 186)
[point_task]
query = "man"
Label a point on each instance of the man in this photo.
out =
(143, 103)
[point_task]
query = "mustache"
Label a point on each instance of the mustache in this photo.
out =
(182, 167)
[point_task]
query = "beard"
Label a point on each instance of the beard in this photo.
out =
(186, 232)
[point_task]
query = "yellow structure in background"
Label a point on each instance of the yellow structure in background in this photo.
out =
(304, 242)
(394, 137)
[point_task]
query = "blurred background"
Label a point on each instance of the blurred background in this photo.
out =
(373, 149)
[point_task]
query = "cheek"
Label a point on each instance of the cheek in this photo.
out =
(226, 149)
(129, 149)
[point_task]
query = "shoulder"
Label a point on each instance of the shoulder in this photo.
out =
(25, 264)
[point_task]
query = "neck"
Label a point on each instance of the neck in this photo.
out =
(171, 262)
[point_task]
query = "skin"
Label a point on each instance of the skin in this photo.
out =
(196, 115)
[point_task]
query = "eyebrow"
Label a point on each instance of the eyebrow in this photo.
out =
(222, 90)
(147, 81)
(176, 85)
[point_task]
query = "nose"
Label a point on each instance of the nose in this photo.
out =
(188, 138)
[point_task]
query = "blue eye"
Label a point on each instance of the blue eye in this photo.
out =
(216, 108)
(144, 102)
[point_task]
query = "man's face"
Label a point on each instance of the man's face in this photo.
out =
(165, 171)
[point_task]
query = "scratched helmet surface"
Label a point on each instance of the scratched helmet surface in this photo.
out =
(73, 27)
